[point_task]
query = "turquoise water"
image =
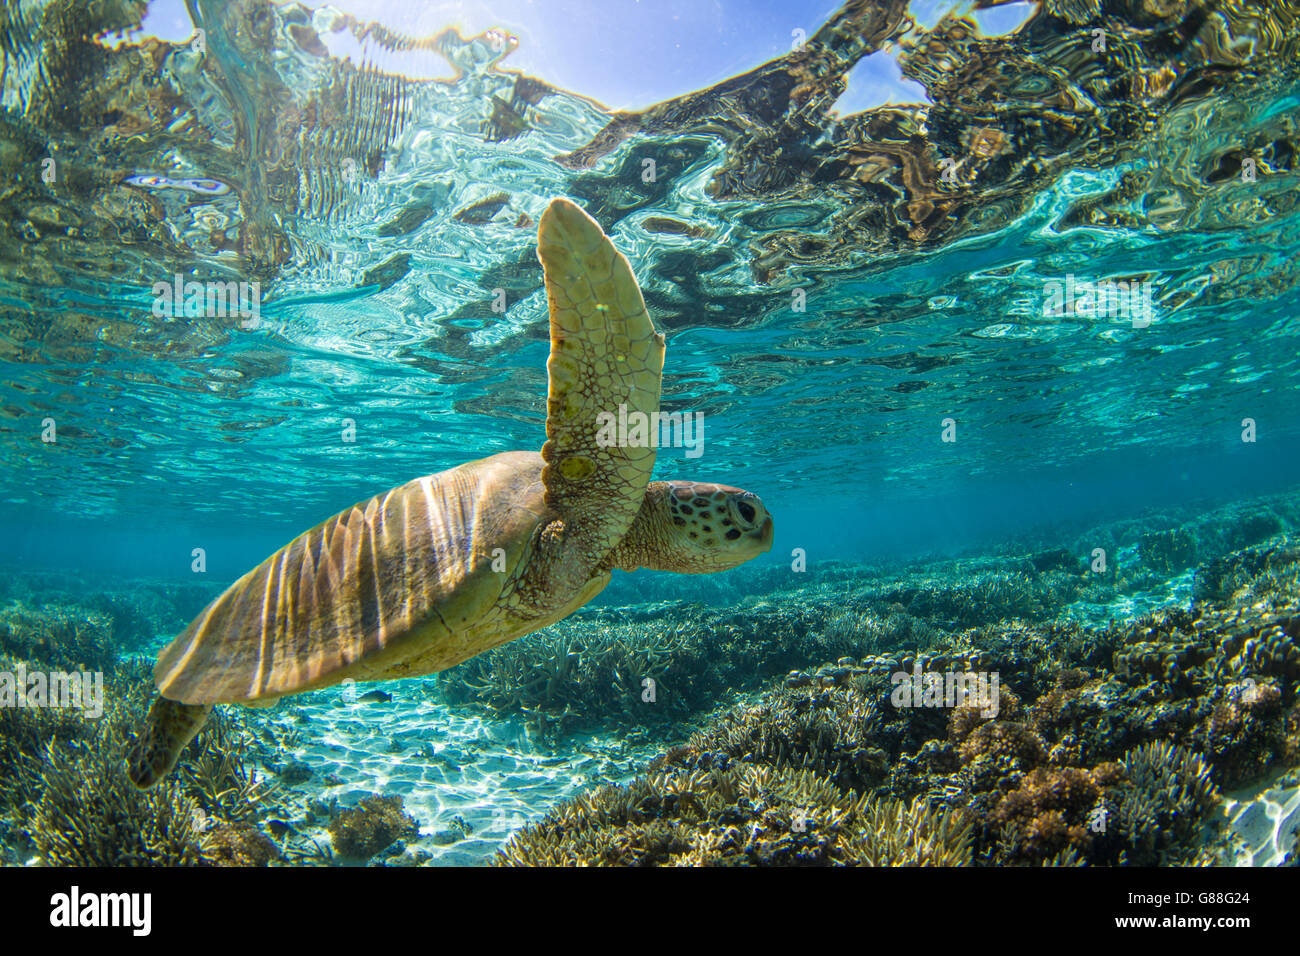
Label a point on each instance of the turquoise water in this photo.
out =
(863, 306)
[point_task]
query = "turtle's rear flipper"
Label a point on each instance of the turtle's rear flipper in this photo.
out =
(168, 728)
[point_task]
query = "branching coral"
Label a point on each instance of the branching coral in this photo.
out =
(1155, 816)
(896, 834)
(828, 731)
(1167, 551)
(90, 814)
(1005, 742)
(24, 732)
(217, 775)
(596, 672)
(744, 815)
(67, 638)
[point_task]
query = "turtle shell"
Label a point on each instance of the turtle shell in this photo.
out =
(399, 585)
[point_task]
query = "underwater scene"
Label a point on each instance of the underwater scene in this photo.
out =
(753, 433)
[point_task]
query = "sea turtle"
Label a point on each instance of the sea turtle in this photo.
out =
(450, 565)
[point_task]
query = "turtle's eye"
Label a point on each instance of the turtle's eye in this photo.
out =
(746, 511)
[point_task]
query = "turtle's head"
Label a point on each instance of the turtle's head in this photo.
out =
(694, 528)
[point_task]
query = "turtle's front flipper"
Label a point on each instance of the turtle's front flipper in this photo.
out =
(169, 726)
(606, 365)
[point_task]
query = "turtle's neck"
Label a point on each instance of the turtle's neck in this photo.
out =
(649, 542)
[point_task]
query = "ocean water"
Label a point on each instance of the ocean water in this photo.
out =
(994, 309)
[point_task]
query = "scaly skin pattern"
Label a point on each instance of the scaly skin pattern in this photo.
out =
(445, 567)
(604, 353)
(168, 728)
(693, 527)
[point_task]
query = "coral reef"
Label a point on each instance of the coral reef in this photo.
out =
(371, 827)
(1047, 812)
(63, 638)
(1163, 804)
(63, 789)
(238, 844)
(593, 668)
(989, 794)
(1167, 551)
(24, 732)
(1112, 735)
(90, 814)
(746, 814)
(217, 775)
(826, 731)
(1108, 746)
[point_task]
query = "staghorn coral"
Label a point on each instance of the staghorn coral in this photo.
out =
(587, 669)
(24, 732)
(66, 793)
(568, 674)
(852, 632)
(744, 815)
(58, 637)
(90, 814)
(895, 834)
(1167, 551)
(217, 775)
(987, 596)
(1156, 815)
(1181, 778)
(827, 731)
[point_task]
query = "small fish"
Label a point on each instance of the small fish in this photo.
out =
(376, 697)
(389, 272)
(675, 227)
(408, 220)
(307, 39)
(482, 211)
(528, 92)
(280, 828)
(506, 122)
(209, 187)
